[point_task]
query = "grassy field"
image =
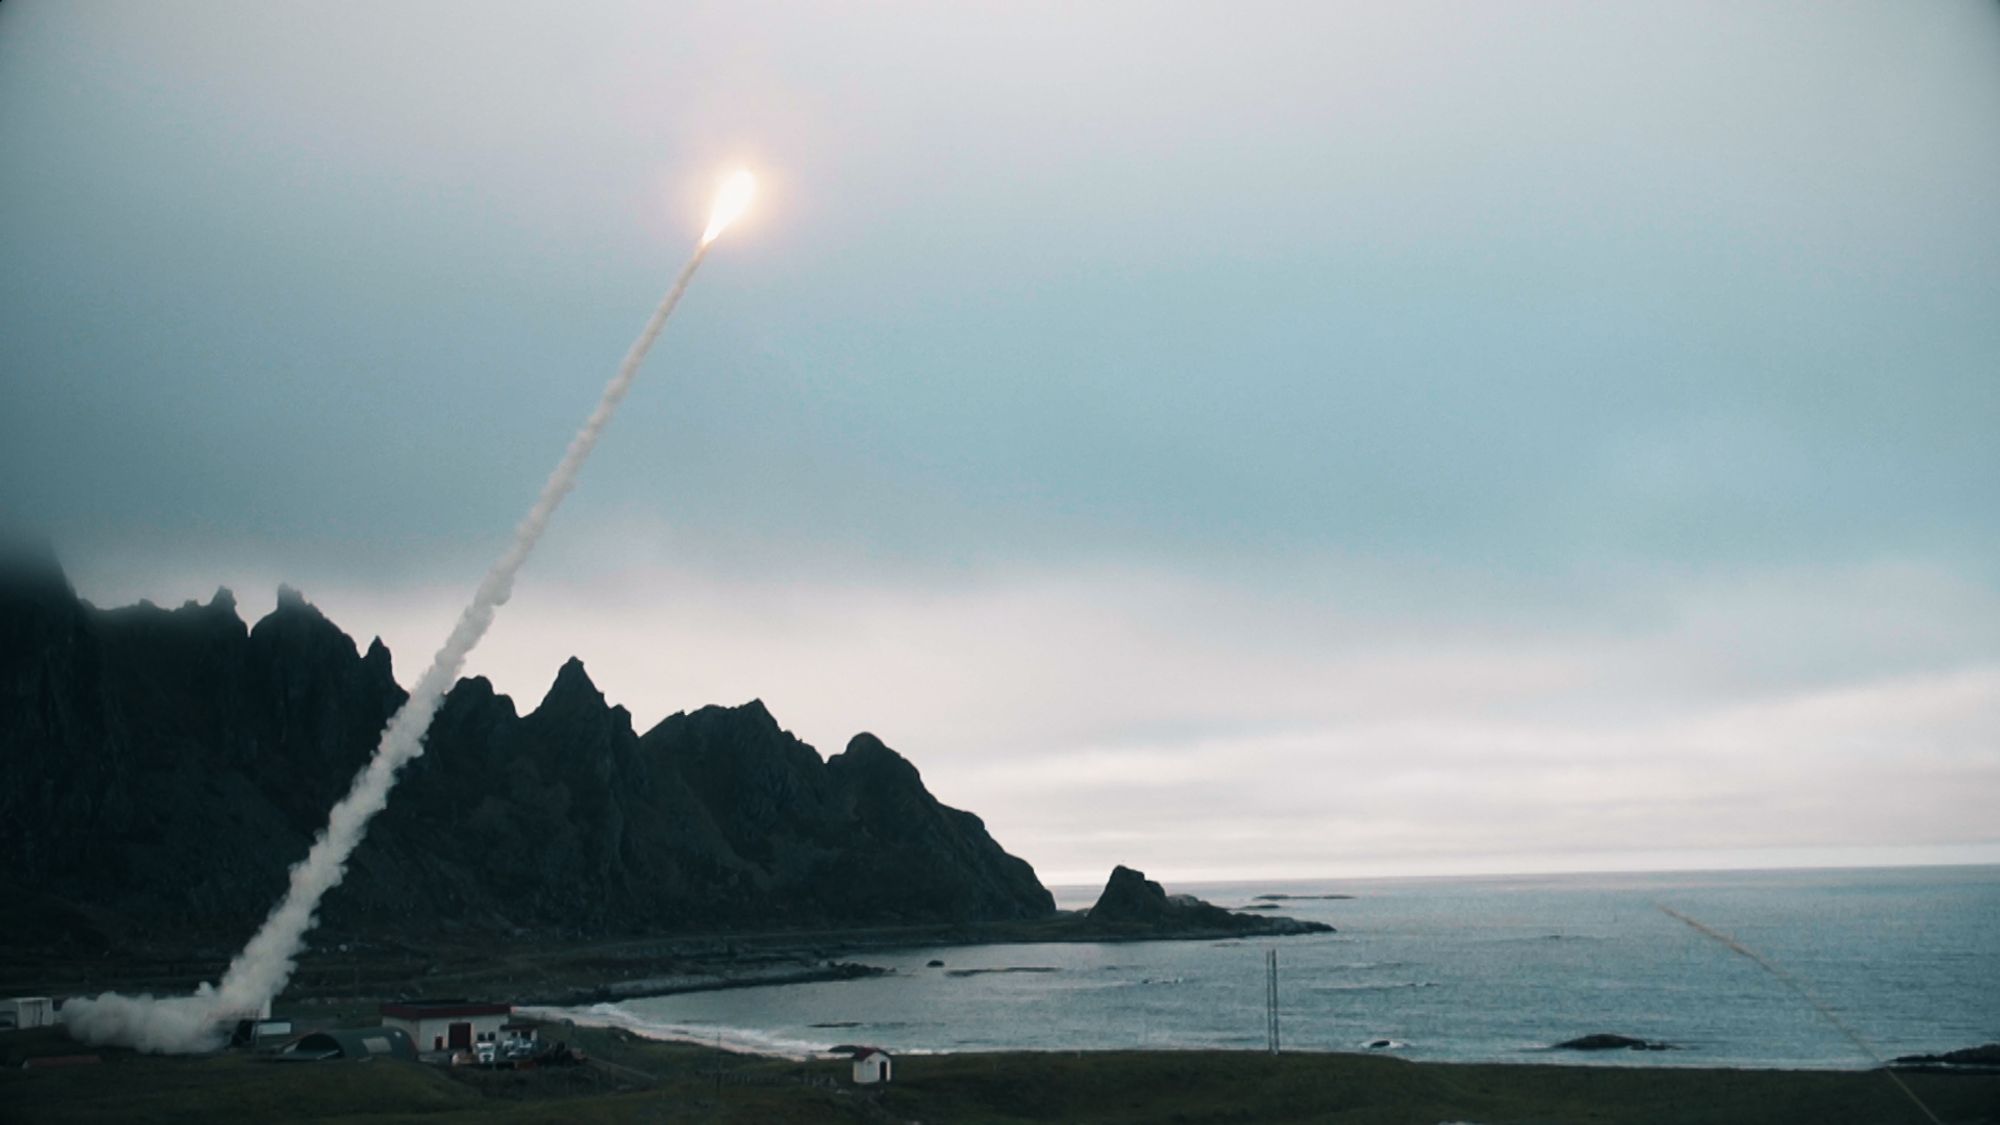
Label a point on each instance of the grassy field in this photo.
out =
(639, 1080)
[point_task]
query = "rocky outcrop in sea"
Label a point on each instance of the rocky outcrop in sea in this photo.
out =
(1135, 906)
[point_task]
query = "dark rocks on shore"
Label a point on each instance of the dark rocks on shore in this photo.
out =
(1607, 1042)
(714, 976)
(1986, 1057)
(1133, 905)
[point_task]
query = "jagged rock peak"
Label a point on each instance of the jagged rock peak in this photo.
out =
(476, 693)
(298, 622)
(221, 607)
(751, 716)
(750, 720)
(293, 605)
(575, 697)
(754, 711)
(474, 687)
(572, 683)
(870, 754)
(475, 690)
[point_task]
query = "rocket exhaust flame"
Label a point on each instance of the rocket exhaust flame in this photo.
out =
(732, 198)
(183, 1024)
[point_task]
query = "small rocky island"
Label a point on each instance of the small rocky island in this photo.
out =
(1984, 1059)
(1133, 906)
(1604, 1041)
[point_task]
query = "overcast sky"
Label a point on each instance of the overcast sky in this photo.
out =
(1231, 440)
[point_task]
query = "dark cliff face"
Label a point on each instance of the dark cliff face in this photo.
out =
(161, 769)
(927, 852)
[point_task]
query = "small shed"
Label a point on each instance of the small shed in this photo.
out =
(871, 1066)
(27, 1011)
(447, 1025)
(353, 1043)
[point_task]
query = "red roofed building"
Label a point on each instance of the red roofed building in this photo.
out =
(447, 1025)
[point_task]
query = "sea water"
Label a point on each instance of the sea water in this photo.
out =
(1461, 969)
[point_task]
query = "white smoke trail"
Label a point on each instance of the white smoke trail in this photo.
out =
(1806, 994)
(186, 1024)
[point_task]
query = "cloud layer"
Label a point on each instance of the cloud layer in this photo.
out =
(1216, 728)
(1318, 437)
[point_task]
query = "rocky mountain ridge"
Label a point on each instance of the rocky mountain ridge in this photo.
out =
(161, 769)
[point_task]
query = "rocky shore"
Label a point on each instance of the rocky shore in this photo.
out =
(560, 973)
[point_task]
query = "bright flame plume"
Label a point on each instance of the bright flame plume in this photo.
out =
(731, 200)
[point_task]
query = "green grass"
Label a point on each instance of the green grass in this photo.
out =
(673, 1083)
(1115, 1087)
(133, 1088)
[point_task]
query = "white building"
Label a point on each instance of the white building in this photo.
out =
(27, 1011)
(447, 1025)
(871, 1065)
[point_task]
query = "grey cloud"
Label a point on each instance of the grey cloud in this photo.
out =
(1188, 379)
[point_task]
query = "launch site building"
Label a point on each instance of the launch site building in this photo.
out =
(447, 1025)
(27, 1011)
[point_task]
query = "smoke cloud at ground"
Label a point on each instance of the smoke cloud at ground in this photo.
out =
(187, 1024)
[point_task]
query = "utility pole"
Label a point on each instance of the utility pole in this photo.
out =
(1271, 998)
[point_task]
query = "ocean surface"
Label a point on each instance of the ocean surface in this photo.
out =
(1463, 969)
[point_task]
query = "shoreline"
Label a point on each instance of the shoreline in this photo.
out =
(778, 1047)
(551, 971)
(582, 981)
